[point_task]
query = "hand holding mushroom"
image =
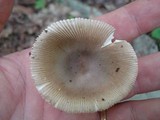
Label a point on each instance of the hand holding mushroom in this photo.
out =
(21, 100)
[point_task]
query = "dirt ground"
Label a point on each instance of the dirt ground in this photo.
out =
(26, 22)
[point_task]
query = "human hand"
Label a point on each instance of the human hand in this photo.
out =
(19, 99)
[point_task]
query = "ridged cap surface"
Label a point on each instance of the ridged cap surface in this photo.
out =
(77, 68)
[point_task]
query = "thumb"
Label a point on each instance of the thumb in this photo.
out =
(5, 10)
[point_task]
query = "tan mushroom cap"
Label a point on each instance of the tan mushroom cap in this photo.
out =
(77, 68)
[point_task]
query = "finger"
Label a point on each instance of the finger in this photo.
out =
(135, 110)
(134, 19)
(148, 75)
(5, 10)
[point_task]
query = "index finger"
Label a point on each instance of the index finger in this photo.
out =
(5, 9)
(134, 19)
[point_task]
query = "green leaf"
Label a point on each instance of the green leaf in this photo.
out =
(39, 4)
(156, 34)
(70, 17)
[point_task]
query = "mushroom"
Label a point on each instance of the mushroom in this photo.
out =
(77, 68)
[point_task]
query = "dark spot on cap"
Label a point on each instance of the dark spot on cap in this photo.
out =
(117, 69)
(46, 31)
(121, 46)
(112, 40)
(33, 57)
(103, 99)
(99, 64)
(70, 80)
(29, 53)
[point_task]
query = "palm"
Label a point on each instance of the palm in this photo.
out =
(19, 99)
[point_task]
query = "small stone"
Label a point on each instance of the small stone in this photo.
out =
(144, 45)
(75, 14)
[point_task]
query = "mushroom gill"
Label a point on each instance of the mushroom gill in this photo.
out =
(77, 68)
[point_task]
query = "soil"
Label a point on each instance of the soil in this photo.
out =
(26, 22)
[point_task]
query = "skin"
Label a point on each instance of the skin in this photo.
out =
(19, 99)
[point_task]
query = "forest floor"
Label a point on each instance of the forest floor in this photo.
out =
(29, 18)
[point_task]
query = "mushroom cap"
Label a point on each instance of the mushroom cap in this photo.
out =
(77, 68)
